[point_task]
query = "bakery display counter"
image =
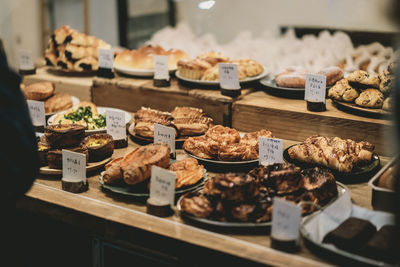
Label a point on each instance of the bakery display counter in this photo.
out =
(120, 218)
(131, 94)
(290, 119)
(77, 85)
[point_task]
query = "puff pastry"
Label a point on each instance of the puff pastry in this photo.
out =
(188, 172)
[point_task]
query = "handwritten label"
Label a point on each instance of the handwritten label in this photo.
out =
(165, 134)
(116, 126)
(270, 150)
(36, 110)
(315, 88)
(162, 185)
(25, 59)
(161, 67)
(228, 76)
(74, 165)
(286, 218)
(106, 58)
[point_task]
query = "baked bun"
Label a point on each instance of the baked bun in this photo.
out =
(58, 102)
(39, 91)
(333, 74)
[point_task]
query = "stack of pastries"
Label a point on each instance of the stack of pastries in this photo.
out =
(365, 89)
(248, 197)
(224, 143)
(187, 121)
(71, 50)
(44, 91)
(205, 67)
(134, 169)
(143, 58)
(338, 154)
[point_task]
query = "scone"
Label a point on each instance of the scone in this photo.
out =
(192, 69)
(39, 91)
(363, 79)
(386, 82)
(370, 98)
(342, 90)
(387, 104)
(58, 102)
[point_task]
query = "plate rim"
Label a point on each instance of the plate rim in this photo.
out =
(138, 72)
(354, 107)
(221, 162)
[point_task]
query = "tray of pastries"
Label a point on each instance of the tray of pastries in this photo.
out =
(73, 52)
(53, 102)
(87, 114)
(204, 69)
(187, 121)
(351, 161)
(140, 62)
(98, 148)
(237, 200)
(130, 175)
(364, 93)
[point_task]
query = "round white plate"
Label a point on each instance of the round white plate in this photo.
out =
(75, 101)
(138, 72)
(102, 111)
(249, 79)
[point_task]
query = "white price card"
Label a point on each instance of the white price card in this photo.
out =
(74, 165)
(270, 150)
(116, 126)
(106, 58)
(25, 59)
(161, 68)
(228, 76)
(286, 218)
(36, 111)
(162, 185)
(165, 134)
(315, 88)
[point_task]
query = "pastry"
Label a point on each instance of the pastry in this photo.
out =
(333, 74)
(62, 35)
(113, 173)
(58, 102)
(193, 69)
(386, 82)
(43, 149)
(148, 114)
(196, 205)
(64, 135)
(54, 156)
(250, 67)
(39, 91)
(51, 59)
(86, 63)
(370, 98)
(383, 245)
(136, 166)
(252, 138)
(192, 126)
(363, 79)
(100, 146)
(213, 58)
(387, 104)
(291, 80)
(237, 152)
(343, 91)
(212, 74)
(284, 178)
(187, 112)
(320, 183)
(145, 127)
(85, 114)
(75, 52)
(197, 146)
(188, 172)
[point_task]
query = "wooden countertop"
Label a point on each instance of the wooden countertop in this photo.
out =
(96, 202)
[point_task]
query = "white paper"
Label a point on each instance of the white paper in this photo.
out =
(74, 165)
(228, 76)
(106, 58)
(116, 126)
(25, 59)
(161, 67)
(315, 88)
(286, 218)
(164, 134)
(270, 150)
(36, 111)
(162, 185)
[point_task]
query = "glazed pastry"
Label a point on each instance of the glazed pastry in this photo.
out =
(58, 102)
(39, 91)
(113, 172)
(188, 172)
(343, 91)
(387, 104)
(197, 146)
(333, 74)
(370, 98)
(363, 79)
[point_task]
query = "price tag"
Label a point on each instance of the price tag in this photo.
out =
(162, 185)
(25, 59)
(315, 88)
(116, 126)
(36, 110)
(228, 76)
(74, 165)
(286, 218)
(270, 150)
(161, 68)
(164, 134)
(106, 58)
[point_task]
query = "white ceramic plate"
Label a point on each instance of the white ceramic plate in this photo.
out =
(75, 101)
(138, 72)
(102, 111)
(250, 79)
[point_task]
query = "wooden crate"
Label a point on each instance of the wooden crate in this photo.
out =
(289, 119)
(131, 94)
(76, 85)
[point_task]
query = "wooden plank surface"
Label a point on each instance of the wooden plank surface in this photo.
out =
(76, 85)
(96, 202)
(289, 119)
